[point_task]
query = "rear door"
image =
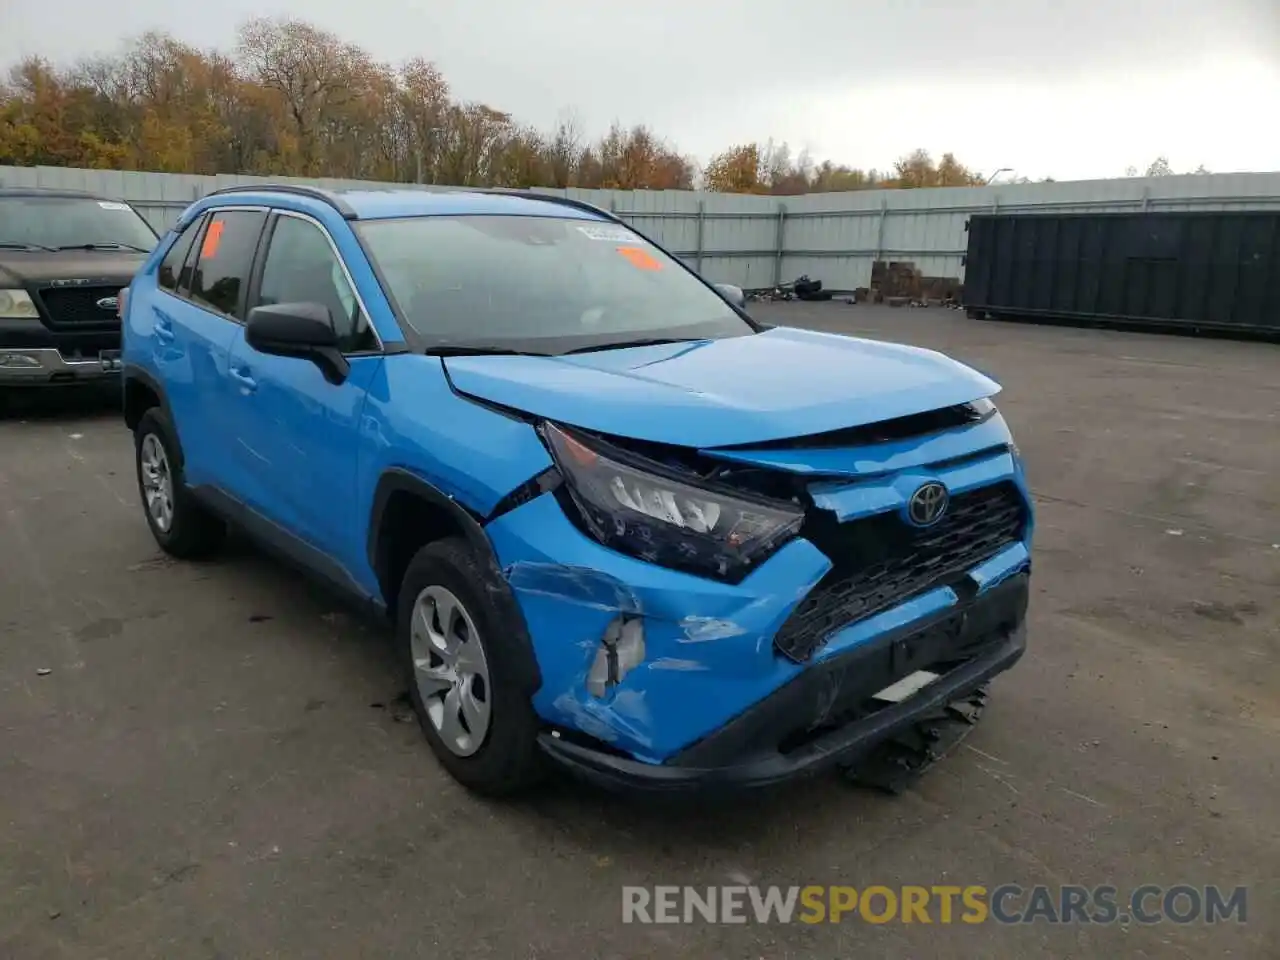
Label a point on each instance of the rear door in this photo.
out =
(196, 319)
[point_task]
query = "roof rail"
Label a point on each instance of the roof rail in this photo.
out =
(563, 201)
(300, 190)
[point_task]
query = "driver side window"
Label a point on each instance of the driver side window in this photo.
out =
(301, 267)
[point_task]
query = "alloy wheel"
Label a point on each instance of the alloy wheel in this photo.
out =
(157, 482)
(450, 670)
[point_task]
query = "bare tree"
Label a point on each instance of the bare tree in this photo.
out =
(564, 150)
(424, 103)
(311, 70)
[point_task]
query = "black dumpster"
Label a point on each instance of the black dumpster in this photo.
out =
(1211, 270)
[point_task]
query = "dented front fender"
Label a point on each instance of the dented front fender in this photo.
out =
(708, 645)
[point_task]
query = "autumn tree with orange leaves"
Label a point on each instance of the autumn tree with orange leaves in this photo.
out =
(292, 99)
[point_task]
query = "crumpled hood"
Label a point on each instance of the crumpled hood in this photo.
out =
(778, 384)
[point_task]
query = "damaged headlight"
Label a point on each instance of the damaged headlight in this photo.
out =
(636, 507)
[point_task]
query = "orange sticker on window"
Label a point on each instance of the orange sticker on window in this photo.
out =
(212, 237)
(640, 258)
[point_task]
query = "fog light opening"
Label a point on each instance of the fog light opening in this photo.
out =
(18, 360)
(621, 651)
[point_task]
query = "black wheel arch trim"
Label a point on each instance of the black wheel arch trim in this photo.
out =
(135, 373)
(400, 480)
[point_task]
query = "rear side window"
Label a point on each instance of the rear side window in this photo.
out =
(225, 259)
(189, 262)
(171, 266)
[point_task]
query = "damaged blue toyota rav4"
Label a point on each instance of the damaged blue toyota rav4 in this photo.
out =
(618, 524)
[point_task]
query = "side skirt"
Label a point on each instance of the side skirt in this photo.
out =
(290, 548)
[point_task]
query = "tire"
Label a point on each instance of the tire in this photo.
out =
(188, 530)
(504, 759)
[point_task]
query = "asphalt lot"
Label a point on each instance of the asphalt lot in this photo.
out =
(215, 765)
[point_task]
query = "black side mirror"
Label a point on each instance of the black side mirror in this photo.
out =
(733, 294)
(303, 330)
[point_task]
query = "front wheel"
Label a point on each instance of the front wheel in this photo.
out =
(181, 525)
(464, 687)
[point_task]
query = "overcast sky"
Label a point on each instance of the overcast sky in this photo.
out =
(1065, 88)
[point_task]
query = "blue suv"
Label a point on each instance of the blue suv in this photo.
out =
(618, 523)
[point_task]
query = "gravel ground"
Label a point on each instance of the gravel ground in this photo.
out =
(209, 761)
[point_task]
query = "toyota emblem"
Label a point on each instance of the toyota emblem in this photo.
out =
(109, 303)
(928, 504)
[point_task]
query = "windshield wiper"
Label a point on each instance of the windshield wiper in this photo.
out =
(461, 350)
(102, 246)
(623, 344)
(15, 245)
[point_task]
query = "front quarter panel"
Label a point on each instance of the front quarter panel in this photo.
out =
(414, 421)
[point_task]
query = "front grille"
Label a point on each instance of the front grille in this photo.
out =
(78, 306)
(856, 683)
(881, 561)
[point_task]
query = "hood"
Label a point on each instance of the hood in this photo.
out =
(40, 267)
(774, 385)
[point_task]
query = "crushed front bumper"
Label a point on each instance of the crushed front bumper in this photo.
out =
(712, 690)
(826, 716)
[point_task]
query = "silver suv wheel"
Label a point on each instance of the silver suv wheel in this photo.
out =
(450, 670)
(157, 482)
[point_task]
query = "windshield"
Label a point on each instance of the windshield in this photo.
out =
(540, 284)
(54, 223)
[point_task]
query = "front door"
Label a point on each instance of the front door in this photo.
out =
(298, 434)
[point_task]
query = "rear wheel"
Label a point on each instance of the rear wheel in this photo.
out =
(478, 721)
(181, 525)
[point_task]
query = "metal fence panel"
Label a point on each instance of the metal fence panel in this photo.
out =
(757, 241)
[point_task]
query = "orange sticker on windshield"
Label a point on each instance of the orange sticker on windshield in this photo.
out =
(640, 258)
(212, 237)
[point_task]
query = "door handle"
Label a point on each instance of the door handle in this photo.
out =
(242, 376)
(164, 331)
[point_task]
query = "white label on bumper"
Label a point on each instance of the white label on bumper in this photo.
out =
(912, 683)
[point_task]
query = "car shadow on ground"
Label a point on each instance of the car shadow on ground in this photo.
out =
(95, 402)
(626, 823)
(688, 817)
(651, 822)
(720, 838)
